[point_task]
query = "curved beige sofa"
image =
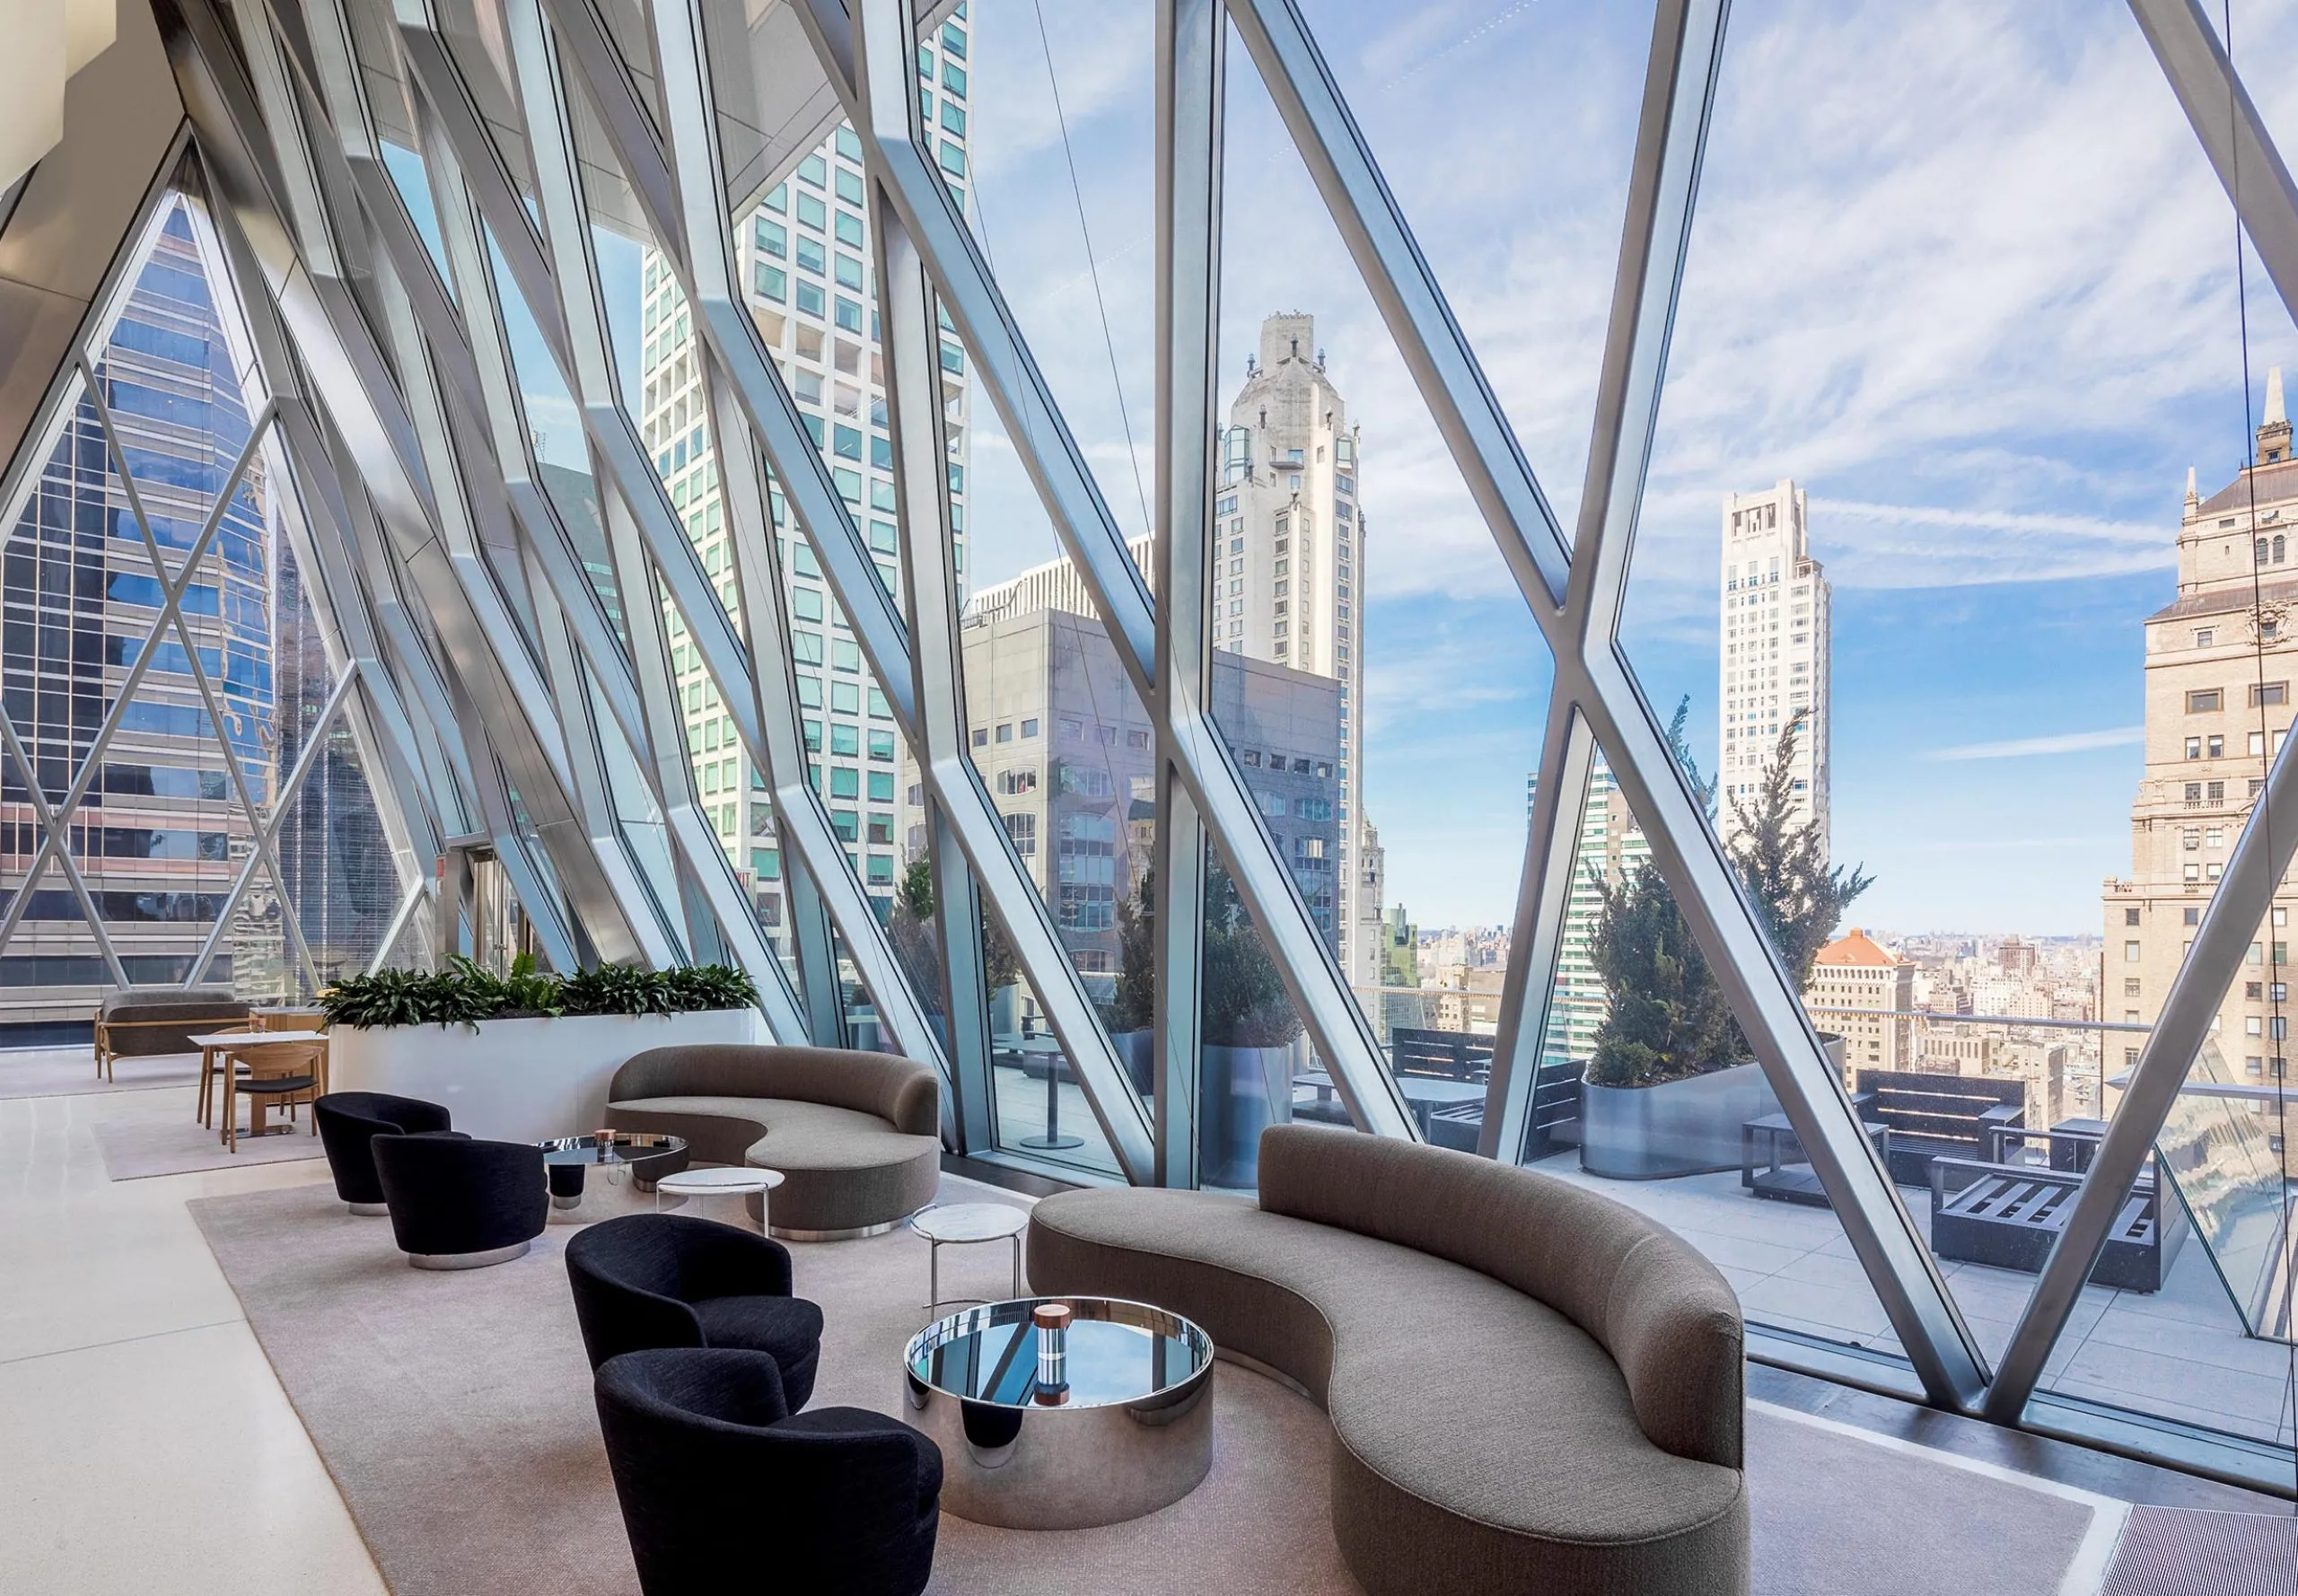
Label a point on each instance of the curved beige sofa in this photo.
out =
(856, 1136)
(1531, 1387)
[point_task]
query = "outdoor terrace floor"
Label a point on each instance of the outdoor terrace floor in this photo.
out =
(2179, 1352)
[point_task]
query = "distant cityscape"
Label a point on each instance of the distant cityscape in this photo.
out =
(2065, 1014)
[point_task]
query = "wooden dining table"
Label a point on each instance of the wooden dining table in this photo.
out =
(221, 1051)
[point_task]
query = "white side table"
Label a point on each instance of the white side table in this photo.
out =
(963, 1223)
(728, 1181)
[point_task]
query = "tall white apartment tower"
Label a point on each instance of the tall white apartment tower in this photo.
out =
(805, 252)
(1288, 569)
(1775, 649)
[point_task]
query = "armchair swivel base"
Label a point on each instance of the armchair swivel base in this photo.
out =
(468, 1260)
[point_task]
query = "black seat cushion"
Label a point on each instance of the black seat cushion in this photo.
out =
(789, 1328)
(722, 1489)
(650, 1280)
(349, 1120)
(450, 1194)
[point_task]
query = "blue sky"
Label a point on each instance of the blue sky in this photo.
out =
(1961, 270)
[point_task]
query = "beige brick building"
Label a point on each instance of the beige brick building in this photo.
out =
(2219, 661)
(1853, 977)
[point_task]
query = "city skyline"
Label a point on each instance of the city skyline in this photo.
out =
(2009, 477)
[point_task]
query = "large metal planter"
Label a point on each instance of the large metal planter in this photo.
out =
(519, 1080)
(1245, 1090)
(1690, 1126)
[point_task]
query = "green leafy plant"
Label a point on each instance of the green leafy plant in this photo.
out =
(465, 993)
(911, 927)
(615, 989)
(1245, 1003)
(1667, 1018)
(1134, 1005)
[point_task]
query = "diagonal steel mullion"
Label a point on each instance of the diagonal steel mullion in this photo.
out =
(244, 794)
(921, 485)
(169, 593)
(910, 338)
(749, 371)
(362, 595)
(47, 823)
(335, 343)
(652, 538)
(581, 612)
(700, 231)
(2264, 199)
(409, 901)
(1450, 382)
(1095, 546)
(1684, 55)
(1536, 939)
(1687, 40)
(352, 560)
(269, 829)
(337, 349)
(723, 325)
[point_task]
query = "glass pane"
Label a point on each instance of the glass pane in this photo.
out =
(1060, 191)
(412, 179)
(1040, 1110)
(341, 882)
(854, 759)
(1060, 740)
(1934, 626)
(1375, 672)
(1648, 1092)
(159, 834)
(1256, 1065)
(1526, 248)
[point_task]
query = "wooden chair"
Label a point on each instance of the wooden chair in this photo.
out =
(279, 1074)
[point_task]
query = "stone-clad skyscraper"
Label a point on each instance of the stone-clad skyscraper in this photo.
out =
(1288, 570)
(1773, 650)
(2219, 664)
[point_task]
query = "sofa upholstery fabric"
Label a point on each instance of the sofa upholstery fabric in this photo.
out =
(650, 1280)
(138, 1024)
(1484, 1436)
(856, 1136)
(722, 1489)
(450, 1194)
(349, 1120)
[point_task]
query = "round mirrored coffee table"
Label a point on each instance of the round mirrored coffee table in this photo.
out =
(646, 1156)
(1062, 1413)
(730, 1180)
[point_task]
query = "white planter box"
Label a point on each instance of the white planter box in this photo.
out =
(519, 1080)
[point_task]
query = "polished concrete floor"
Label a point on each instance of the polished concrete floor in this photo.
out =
(149, 1445)
(2179, 1353)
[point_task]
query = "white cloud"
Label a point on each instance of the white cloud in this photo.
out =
(2062, 742)
(1962, 272)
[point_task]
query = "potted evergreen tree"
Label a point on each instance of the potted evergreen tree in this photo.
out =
(1672, 1078)
(1248, 1032)
(1131, 1014)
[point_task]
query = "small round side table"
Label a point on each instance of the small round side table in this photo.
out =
(728, 1181)
(962, 1224)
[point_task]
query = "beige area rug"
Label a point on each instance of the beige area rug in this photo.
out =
(2171, 1551)
(177, 1144)
(455, 1412)
(71, 1072)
